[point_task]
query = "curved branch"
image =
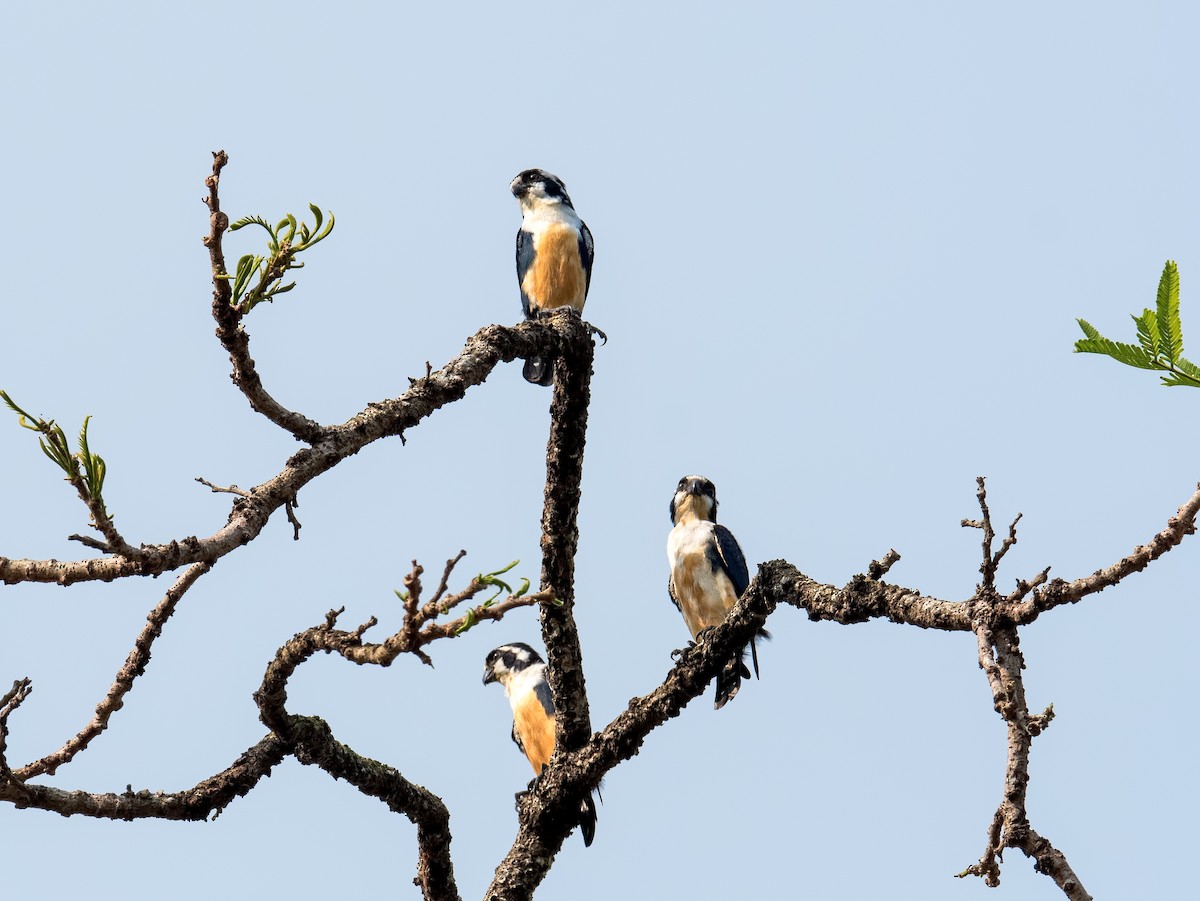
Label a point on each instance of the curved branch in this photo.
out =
(551, 809)
(208, 797)
(232, 335)
(313, 743)
(547, 811)
(135, 665)
(483, 351)
(1058, 592)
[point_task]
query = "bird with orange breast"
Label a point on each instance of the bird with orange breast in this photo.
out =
(554, 255)
(708, 573)
(522, 672)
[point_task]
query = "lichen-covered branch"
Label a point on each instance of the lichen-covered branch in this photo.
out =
(207, 798)
(560, 538)
(547, 811)
(483, 351)
(135, 665)
(12, 699)
(1058, 591)
(313, 743)
(1003, 664)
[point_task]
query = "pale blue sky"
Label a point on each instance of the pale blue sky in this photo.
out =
(840, 249)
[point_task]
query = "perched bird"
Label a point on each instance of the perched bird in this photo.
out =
(554, 255)
(522, 672)
(708, 573)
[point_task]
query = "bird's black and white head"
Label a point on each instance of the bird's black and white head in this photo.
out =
(537, 187)
(507, 660)
(695, 498)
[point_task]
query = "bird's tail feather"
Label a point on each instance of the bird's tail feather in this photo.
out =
(729, 680)
(539, 371)
(587, 820)
(765, 636)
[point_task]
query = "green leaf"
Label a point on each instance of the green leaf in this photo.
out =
(1188, 367)
(83, 444)
(283, 247)
(1129, 354)
(100, 471)
(1169, 327)
(1088, 328)
(1147, 331)
(252, 220)
(1184, 372)
(467, 623)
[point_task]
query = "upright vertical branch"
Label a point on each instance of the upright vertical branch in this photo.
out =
(233, 335)
(1002, 662)
(546, 814)
(560, 533)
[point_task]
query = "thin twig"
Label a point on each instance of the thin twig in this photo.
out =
(11, 700)
(879, 568)
(135, 665)
(1059, 592)
(219, 489)
(381, 419)
(233, 336)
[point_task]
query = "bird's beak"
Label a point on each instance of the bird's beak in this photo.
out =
(693, 487)
(516, 187)
(489, 675)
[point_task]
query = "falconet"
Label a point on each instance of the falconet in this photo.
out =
(554, 255)
(522, 672)
(708, 573)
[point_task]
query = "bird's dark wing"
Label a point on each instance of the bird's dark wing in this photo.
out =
(542, 690)
(731, 559)
(525, 255)
(587, 251)
(734, 563)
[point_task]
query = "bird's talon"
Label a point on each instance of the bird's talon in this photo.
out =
(679, 652)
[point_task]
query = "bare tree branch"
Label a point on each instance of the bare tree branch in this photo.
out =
(312, 741)
(487, 348)
(134, 666)
(314, 745)
(12, 699)
(1002, 662)
(560, 538)
(1059, 592)
(208, 797)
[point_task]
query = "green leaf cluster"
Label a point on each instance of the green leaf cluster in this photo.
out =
(502, 587)
(81, 465)
(258, 278)
(1159, 333)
